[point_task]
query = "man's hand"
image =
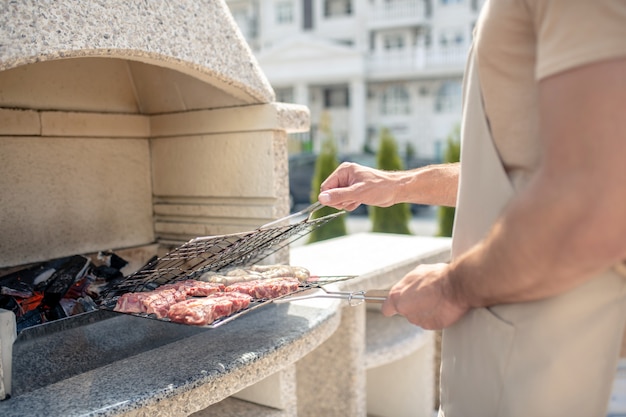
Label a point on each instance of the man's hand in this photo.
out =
(353, 184)
(426, 298)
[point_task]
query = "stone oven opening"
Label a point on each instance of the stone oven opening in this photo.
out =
(102, 153)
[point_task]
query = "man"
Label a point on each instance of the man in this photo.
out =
(533, 305)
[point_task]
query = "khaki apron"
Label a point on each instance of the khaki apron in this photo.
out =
(554, 357)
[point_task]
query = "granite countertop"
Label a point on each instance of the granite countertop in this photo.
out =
(201, 368)
(376, 259)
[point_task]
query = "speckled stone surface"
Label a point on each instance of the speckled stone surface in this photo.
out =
(232, 407)
(366, 341)
(199, 38)
(378, 260)
(390, 338)
(183, 376)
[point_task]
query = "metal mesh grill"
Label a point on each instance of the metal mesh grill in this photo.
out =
(214, 253)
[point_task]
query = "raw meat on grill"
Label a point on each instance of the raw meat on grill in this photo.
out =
(205, 310)
(211, 277)
(256, 272)
(131, 302)
(210, 301)
(195, 288)
(159, 301)
(282, 271)
(152, 302)
(265, 288)
(242, 272)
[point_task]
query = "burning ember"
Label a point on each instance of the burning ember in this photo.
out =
(59, 288)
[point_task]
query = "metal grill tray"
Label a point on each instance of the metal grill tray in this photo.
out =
(219, 253)
(254, 304)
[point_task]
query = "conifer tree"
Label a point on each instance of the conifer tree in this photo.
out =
(453, 154)
(327, 161)
(394, 219)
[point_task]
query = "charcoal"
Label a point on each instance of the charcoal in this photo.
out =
(17, 289)
(55, 313)
(31, 318)
(64, 277)
(8, 302)
(113, 260)
(107, 272)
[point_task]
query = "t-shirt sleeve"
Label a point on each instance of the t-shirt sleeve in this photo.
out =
(572, 33)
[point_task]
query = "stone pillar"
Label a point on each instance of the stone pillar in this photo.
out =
(331, 379)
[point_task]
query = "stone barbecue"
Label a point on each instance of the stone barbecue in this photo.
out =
(132, 127)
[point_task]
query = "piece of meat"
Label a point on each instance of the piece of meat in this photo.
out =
(265, 288)
(131, 302)
(256, 272)
(242, 272)
(205, 310)
(195, 288)
(211, 277)
(276, 271)
(150, 302)
(158, 302)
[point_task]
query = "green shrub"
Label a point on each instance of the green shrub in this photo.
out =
(445, 215)
(325, 164)
(394, 219)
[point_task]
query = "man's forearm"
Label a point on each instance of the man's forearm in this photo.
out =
(545, 243)
(434, 185)
(568, 223)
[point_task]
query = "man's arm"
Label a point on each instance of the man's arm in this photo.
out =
(352, 184)
(570, 222)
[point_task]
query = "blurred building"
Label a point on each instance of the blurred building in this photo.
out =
(362, 65)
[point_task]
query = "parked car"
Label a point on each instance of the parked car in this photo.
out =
(301, 170)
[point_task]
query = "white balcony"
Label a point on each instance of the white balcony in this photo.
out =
(417, 62)
(398, 12)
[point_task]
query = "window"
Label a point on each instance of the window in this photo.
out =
(459, 39)
(448, 98)
(284, 95)
(336, 97)
(393, 42)
(337, 8)
(284, 12)
(443, 40)
(307, 13)
(246, 22)
(395, 100)
(451, 38)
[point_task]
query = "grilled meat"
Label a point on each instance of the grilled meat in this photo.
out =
(265, 288)
(203, 311)
(158, 302)
(282, 271)
(257, 272)
(227, 279)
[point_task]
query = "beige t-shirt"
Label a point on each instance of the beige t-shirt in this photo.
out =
(518, 43)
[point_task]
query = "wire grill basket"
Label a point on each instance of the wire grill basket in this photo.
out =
(217, 253)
